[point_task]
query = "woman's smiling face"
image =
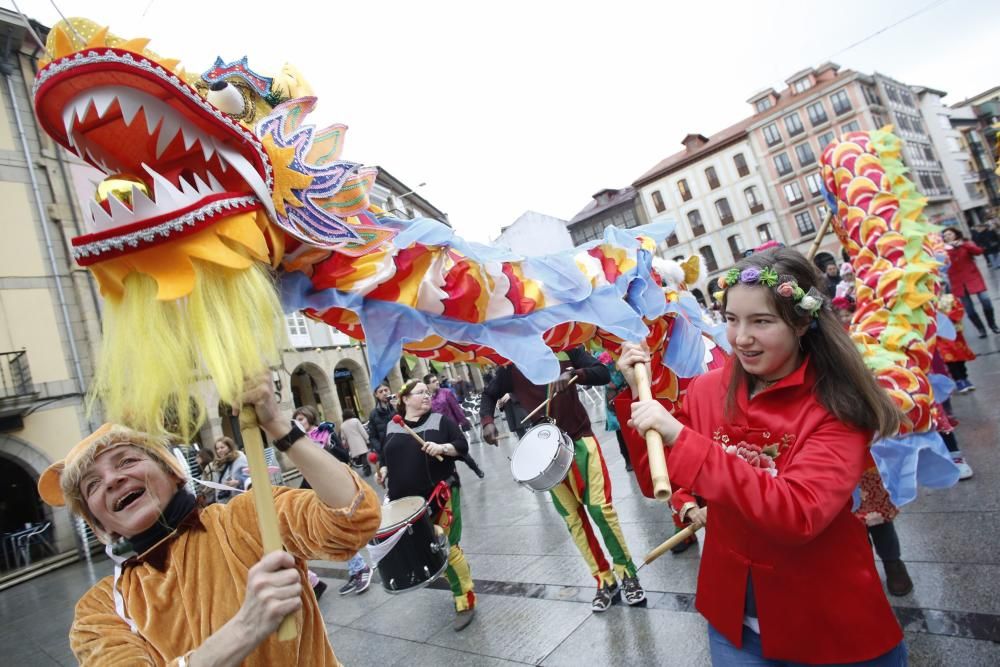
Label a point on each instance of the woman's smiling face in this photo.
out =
(126, 490)
(765, 345)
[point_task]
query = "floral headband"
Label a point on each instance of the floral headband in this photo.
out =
(807, 303)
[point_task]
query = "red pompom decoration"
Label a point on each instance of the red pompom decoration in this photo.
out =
(372, 457)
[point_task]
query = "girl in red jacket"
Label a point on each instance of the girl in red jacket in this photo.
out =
(775, 443)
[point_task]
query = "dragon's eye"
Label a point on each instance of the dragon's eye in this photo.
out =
(227, 98)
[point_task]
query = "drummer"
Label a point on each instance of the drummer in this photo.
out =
(588, 485)
(411, 470)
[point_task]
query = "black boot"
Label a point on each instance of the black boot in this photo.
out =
(976, 322)
(990, 320)
(897, 579)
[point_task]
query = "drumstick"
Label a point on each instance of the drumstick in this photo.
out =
(399, 420)
(679, 537)
(654, 441)
(546, 402)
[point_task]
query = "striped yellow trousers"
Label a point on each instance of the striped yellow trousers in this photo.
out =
(587, 490)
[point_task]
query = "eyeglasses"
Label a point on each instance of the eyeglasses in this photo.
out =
(419, 393)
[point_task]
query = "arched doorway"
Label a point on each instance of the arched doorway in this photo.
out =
(21, 508)
(310, 386)
(354, 391)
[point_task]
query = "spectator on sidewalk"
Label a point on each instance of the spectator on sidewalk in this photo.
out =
(988, 239)
(444, 402)
(966, 280)
(355, 437)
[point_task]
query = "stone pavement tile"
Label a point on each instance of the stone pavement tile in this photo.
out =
(426, 654)
(951, 586)
(624, 637)
(414, 616)
(345, 609)
(26, 652)
(981, 493)
(935, 650)
(518, 540)
(357, 647)
(949, 537)
(518, 629)
(568, 570)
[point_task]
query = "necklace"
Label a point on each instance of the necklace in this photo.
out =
(760, 385)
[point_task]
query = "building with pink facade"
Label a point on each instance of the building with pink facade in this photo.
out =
(789, 130)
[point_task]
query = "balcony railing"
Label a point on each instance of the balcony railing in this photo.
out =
(17, 391)
(15, 375)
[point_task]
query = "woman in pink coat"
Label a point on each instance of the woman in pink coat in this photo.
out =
(965, 279)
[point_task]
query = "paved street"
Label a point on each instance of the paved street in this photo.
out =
(534, 589)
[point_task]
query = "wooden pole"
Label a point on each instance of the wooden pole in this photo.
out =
(814, 248)
(246, 431)
(423, 443)
(654, 442)
(544, 403)
(676, 539)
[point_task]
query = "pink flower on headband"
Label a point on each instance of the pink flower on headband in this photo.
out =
(786, 290)
(604, 357)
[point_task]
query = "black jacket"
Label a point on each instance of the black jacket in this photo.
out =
(377, 422)
(567, 410)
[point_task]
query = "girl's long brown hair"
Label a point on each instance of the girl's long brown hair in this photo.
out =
(844, 385)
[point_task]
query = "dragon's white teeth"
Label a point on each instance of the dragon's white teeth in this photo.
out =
(187, 188)
(207, 148)
(213, 183)
(103, 99)
(129, 105)
(142, 206)
(153, 117)
(120, 213)
(201, 186)
(101, 218)
(250, 175)
(189, 135)
(168, 198)
(168, 130)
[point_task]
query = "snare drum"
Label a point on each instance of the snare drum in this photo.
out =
(542, 458)
(420, 553)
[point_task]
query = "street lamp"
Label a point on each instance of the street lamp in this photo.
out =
(392, 202)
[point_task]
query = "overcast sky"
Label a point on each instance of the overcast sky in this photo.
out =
(506, 107)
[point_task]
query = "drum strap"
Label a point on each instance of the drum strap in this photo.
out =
(442, 494)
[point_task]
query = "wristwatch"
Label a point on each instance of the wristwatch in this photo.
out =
(282, 444)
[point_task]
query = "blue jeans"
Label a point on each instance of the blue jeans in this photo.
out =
(724, 654)
(355, 565)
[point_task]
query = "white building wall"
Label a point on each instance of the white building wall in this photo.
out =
(703, 198)
(948, 141)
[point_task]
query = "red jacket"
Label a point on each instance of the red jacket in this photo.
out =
(963, 274)
(817, 593)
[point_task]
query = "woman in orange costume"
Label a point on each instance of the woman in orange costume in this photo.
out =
(192, 586)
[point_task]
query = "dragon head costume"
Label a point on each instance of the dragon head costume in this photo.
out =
(214, 186)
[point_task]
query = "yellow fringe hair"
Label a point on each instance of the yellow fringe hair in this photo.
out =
(154, 353)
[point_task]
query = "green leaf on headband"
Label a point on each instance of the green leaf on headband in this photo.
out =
(768, 276)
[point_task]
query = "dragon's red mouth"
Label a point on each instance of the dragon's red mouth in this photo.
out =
(128, 116)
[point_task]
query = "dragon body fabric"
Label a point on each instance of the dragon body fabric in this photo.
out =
(219, 200)
(879, 221)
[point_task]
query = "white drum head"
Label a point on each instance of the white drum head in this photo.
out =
(535, 452)
(399, 511)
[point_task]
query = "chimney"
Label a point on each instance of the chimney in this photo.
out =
(693, 142)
